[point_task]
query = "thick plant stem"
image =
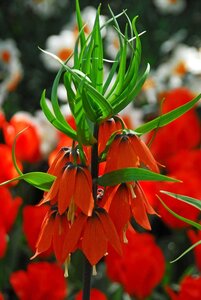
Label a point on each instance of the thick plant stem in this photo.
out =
(94, 173)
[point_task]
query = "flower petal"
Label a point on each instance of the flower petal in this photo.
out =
(110, 231)
(94, 243)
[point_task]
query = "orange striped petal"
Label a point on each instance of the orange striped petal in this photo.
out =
(108, 196)
(45, 236)
(83, 192)
(144, 153)
(120, 212)
(139, 211)
(110, 231)
(52, 193)
(94, 243)
(149, 208)
(61, 228)
(66, 188)
(73, 236)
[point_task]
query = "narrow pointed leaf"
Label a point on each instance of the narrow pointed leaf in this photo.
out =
(131, 174)
(40, 180)
(186, 251)
(190, 222)
(168, 117)
(80, 24)
(191, 201)
(54, 121)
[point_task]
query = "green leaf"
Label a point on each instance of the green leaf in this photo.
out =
(40, 180)
(54, 121)
(84, 128)
(131, 174)
(186, 251)
(190, 222)
(97, 55)
(168, 117)
(13, 152)
(80, 24)
(191, 201)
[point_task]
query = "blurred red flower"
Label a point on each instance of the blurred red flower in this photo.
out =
(32, 220)
(189, 289)
(94, 295)
(41, 281)
(141, 267)
(9, 208)
(28, 142)
(1, 296)
(8, 213)
(184, 133)
(190, 186)
(7, 169)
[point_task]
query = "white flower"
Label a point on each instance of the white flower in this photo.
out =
(170, 6)
(10, 68)
(62, 46)
(112, 42)
(48, 134)
(46, 8)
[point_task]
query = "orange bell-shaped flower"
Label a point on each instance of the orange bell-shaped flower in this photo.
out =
(128, 150)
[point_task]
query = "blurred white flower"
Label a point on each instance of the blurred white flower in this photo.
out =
(10, 68)
(170, 6)
(48, 134)
(46, 8)
(61, 45)
(112, 42)
(184, 60)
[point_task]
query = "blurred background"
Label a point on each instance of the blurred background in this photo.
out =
(171, 44)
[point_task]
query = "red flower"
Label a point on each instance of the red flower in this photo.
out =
(9, 208)
(190, 289)
(71, 188)
(42, 280)
(1, 296)
(7, 170)
(127, 150)
(32, 220)
(94, 295)
(92, 235)
(190, 186)
(141, 267)
(52, 234)
(130, 200)
(28, 142)
(176, 136)
(195, 236)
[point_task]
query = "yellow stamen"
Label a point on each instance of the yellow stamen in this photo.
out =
(71, 212)
(66, 264)
(94, 272)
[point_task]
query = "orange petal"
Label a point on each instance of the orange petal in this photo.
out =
(149, 208)
(144, 153)
(94, 243)
(73, 236)
(109, 194)
(120, 203)
(139, 211)
(110, 231)
(61, 228)
(45, 236)
(66, 188)
(83, 192)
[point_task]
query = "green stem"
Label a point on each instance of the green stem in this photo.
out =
(94, 173)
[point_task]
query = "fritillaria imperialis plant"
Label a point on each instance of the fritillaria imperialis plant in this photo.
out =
(92, 188)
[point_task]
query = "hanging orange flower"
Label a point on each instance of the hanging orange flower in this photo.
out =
(128, 150)
(72, 187)
(127, 199)
(92, 234)
(52, 234)
(106, 129)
